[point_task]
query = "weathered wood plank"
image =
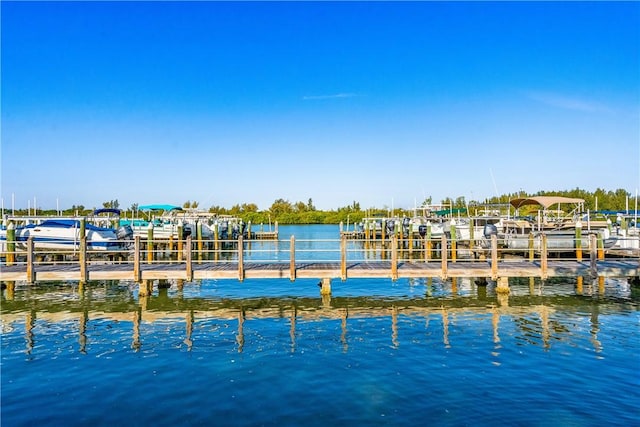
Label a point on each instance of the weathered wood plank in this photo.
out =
(334, 270)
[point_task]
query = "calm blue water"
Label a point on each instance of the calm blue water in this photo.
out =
(273, 352)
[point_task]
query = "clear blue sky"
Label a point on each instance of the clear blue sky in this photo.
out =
(380, 103)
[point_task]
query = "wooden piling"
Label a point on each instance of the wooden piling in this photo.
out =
(150, 243)
(443, 255)
(180, 245)
(532, 251)
(82, 258)
(199, 239)
(292, 258)
(10, 290)
(216, 239)
(453, 241)
(343, 258)
(579, 285)
(428, 245)
(83, 229)
(189, 260)
(502, 285)
(11, 243)
(136, 259)
(394, 258)
(31, 274)
(240, 258)
(544, 257)
(145, 287)
(600, 247)
(494, 257)
(325, 289)
(593, 255)
(578, 242)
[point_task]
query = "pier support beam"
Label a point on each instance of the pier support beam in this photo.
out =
(503, 285)
(145, 287)
(325, 288)
(11, 243)
(10, 289)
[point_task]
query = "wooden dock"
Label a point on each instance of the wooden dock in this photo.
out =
(236, 264)
(316, 270)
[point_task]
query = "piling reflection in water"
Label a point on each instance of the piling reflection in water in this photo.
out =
(531, 314)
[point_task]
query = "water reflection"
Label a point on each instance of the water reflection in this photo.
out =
(529, 315)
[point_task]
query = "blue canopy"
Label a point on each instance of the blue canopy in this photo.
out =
(159, 208)
(106, 210)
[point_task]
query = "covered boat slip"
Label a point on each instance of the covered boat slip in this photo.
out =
(556, 212)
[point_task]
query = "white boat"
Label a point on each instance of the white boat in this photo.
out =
(64, 234)
(558, 226)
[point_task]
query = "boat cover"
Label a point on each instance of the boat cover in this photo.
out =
(544, 201)
(159, 208)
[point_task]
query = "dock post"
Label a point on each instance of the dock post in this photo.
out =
(144, 288)
(531, 248)
(150, 243)
(82, 258)
(600, 247)
(11, 243)
(593, 255)
(180, 237)
(367, 230)
(396, 228)
(410, 240)
(31, 275)
(240, 258)
(428, 245)
(503, 285)
(11, 289)
(83, 228)
(249, 232)
(394, 258)
(443, 255)
(199, 237)
(189, 266)
(292, 258)
(383, 232)
(216, 242)
(544, 256)
(579, 285)
(494, 257)
(325, 289)
(454, 249)
(343, 258)
(579, 240)
(136, 259)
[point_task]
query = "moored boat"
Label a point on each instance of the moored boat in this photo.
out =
(65, 234)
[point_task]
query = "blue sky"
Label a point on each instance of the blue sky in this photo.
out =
(383, 103)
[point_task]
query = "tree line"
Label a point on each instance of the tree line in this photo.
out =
(285, 212)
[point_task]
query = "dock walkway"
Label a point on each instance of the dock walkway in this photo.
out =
(342, 262)
(318, 270)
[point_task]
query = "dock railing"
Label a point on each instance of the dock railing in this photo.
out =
(442, 256)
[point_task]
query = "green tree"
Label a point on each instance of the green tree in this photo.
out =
(280, 207)
(111, 204)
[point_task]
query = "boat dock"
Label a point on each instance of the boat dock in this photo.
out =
(293, 260)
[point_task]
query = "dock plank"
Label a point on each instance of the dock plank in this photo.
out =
(319, 270)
